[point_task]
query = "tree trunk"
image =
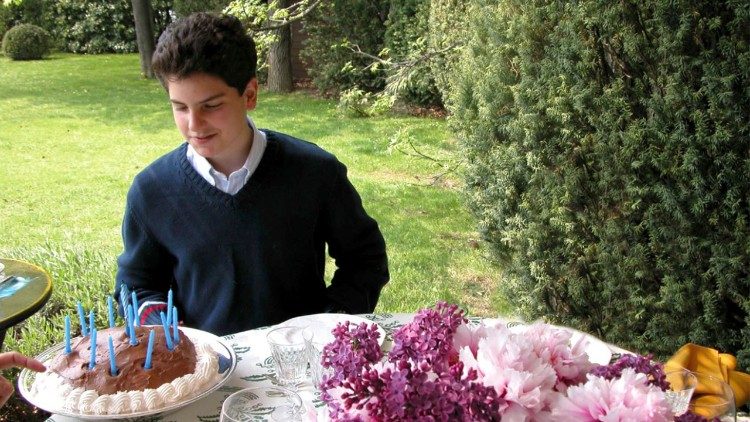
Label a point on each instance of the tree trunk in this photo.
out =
(280, 58)
(144, 33)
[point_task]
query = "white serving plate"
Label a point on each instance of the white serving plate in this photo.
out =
(227, 365)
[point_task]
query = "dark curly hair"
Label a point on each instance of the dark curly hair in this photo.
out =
(203, 42)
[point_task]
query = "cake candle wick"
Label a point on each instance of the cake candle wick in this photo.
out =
(169, 306)
(135, 309)
(175, 330)
(112, 366)
(82, 318)
(149, 350)
(111, 312)
(92, 361)
(168, 338)
(67, 334)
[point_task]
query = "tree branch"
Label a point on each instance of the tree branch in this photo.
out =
(293, 18)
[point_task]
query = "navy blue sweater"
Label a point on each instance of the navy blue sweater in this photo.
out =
(236, 262)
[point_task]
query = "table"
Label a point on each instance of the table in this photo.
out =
(255, 368)
(22, 295)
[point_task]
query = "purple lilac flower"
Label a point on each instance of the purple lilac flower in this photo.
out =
(429, 337)
(354, 347)
(422, 380)
(692, 417)
(642, 364)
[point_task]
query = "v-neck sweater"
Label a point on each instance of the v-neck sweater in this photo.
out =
(256, 258)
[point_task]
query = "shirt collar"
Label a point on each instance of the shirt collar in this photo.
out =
(207, 171)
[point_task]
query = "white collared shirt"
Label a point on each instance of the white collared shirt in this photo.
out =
(238, 178)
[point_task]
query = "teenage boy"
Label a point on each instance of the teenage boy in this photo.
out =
(236, 220)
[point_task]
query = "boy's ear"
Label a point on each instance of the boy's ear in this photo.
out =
(251, 94)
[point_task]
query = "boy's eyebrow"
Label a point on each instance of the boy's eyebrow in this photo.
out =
(213, 97)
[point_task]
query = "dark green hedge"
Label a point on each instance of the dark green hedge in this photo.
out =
(609, 164)
(102, 26)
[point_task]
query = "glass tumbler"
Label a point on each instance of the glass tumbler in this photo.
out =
(262, 404)
(682, 384)
(289, 353)
(713, 399)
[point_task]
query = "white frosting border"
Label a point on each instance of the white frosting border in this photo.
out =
(62, 395)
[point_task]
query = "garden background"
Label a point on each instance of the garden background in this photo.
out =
(583, 162)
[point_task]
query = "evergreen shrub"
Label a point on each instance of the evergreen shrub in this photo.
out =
(446, 32)
(609, 164)
(407, 40)
(333, 30)
(26, 42)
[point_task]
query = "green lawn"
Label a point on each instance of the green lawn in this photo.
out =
(74, 131)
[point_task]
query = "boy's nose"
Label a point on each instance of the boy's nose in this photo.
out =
(195, 121)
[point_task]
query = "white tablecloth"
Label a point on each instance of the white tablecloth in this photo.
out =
(255, 368)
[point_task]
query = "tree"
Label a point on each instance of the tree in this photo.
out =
(280, 56)
(270, 23)
(144, 32)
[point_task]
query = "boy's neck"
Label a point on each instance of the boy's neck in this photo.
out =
(235, 160)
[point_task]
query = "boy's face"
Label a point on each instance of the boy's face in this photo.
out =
(212, 116)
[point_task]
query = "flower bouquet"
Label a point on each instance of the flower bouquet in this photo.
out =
(442, 369)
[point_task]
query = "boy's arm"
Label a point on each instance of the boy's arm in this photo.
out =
(144, 269)
(358, 248)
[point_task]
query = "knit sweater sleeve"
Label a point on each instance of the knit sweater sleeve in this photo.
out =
(357, 246)
(144, 267)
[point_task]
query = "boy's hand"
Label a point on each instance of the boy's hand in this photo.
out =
(15, 359)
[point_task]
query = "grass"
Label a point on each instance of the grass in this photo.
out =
(76, 129)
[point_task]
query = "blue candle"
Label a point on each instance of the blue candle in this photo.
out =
(92, 361)
(111, 312)
(112, 366)
(67, 333)
(149, 350)
(128, 319)
(124, 298)
(170, 346)
(169, 306)
(92, 327)
(136, 321)
(82, 317)
(175, 331)
(131, 326)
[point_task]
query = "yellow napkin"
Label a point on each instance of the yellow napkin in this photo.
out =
(709, 361)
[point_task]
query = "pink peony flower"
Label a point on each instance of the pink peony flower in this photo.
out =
(627, 398)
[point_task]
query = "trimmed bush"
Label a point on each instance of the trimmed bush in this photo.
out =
(26, 42)
(609, 165)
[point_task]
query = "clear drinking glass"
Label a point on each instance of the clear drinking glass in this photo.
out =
(315, 344)
(262, 404)
(682, 384)
(713, 399)
(289, 352)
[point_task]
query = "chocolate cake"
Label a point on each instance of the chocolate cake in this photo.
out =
(166, 365)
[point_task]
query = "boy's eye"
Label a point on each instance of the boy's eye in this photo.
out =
(211, 106)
